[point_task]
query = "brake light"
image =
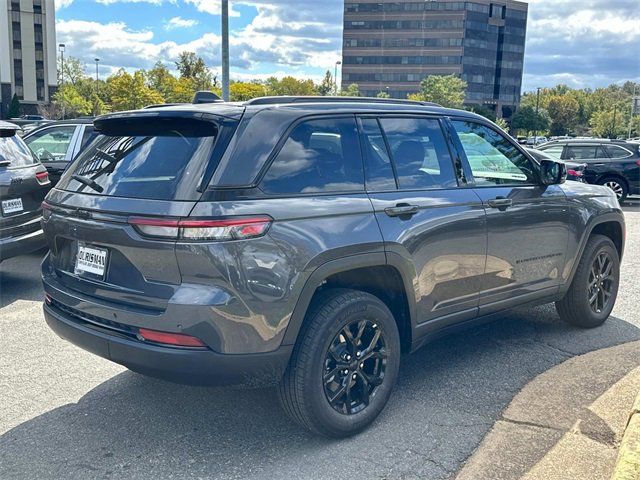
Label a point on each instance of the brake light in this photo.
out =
(638, 162)
(575, 173)
(175, 339)
(200, 230)
(42, 177)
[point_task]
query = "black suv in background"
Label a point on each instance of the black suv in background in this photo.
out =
(613, 163)
(24, 182)
(307, 242)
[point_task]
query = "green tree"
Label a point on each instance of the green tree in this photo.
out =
(242, 91)
(14, 107)
(191, 66)
(502, 123)
(609, 123)
(563, 111)
(290, 86)
(353, 90)
(74, 70)
(71, 101)
(130, 92)
(327, 86)
(526, 119)
(485, 111)
(382, 94)
(446, 90)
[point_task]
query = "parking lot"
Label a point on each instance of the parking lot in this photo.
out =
(68, 414)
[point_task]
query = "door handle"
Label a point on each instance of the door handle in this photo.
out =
(500, 203)
(401, 210)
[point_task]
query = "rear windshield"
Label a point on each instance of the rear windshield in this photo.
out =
(14, 153)
(165, 165)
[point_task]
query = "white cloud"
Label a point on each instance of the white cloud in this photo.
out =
(212, 7)
(179, 22)
(62, 3)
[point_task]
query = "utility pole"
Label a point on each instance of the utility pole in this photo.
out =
(633, 109)
(225, 50)
(535, 133)
(97, 60)
(335, 77)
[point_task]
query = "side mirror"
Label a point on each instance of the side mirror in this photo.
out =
(552, 172)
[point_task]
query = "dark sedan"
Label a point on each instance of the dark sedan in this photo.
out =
(613, 163)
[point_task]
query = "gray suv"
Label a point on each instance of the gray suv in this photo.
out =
(308, 242)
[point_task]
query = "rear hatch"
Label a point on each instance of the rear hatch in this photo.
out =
(23, 185)
(149, 164)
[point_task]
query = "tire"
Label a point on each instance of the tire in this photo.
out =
(303, 392)
(575, 308)
(618, 185)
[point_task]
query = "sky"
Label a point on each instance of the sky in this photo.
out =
(586, 43)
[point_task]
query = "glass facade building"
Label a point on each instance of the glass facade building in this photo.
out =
(392, 46)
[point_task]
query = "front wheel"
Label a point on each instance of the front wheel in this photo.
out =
(344, 366)
(593, 291)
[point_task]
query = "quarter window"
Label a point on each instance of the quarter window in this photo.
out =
(319, 156)
(616, 152)
(554, 151)
(419, 153)
(493, 159)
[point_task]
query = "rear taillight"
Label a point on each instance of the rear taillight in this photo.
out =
(42, 177)
(46, 210)
(174, 339)
(575, 173)
(638, 162)
(202, 230)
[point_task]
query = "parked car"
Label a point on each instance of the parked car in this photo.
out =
(309, 241)
(575, 171)
(613, 163)
(24, 183)
(536, 140)
(57, 143)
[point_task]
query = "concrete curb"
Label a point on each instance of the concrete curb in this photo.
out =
(628, 463)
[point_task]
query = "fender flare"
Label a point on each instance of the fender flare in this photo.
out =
(339, 265)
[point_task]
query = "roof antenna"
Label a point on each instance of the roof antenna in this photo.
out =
(205, 96)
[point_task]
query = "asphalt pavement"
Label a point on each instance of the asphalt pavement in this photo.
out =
(65, 413)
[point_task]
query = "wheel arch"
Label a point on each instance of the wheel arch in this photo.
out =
(367, 272)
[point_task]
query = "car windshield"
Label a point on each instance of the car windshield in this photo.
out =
(165, 166)
(14, 153)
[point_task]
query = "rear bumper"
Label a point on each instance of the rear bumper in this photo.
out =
(180, 365)
(22, 244)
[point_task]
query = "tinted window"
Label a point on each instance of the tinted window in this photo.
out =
(554, 151)
(419, 153)
(379, 172)
(615, 151)
(14, 153)
(51, 143)
(493, 159)
(318, 156)
(165, 166)
(584, 152)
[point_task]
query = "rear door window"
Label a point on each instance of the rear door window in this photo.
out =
(419, 152)
(379, 171)
(166, 164)
(584, 152)
(14, 153)
(319, 156)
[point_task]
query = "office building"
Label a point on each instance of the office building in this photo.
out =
(392, 46)
(27, 53)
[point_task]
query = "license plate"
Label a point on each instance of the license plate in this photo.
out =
(91, 260)
(13, 205)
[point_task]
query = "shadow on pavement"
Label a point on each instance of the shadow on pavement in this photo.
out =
(16, 278)
(448, 396)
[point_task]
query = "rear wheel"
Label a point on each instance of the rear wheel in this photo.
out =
(618, 186)
(344, 366)
(592, 295)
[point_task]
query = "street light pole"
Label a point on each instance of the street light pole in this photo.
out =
(96, 60)
(225, 50)
(61, 47)
(335, 77)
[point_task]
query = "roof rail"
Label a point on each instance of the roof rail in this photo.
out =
(318, 99)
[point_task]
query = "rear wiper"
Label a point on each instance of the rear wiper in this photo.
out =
(88, 182)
